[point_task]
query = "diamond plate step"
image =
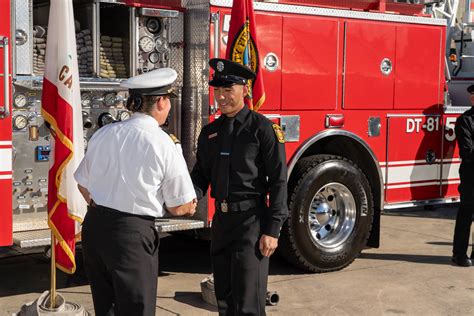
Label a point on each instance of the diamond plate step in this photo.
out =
(172, 225)
(34, 238)
(42, 237)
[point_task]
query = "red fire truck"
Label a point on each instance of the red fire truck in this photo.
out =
(358, 87)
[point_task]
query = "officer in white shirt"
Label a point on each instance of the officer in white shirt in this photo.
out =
(132, 173)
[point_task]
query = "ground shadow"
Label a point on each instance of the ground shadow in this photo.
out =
(425, 259)
(194, 299)
(445, 211)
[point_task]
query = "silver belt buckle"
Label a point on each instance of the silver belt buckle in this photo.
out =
(224, 207)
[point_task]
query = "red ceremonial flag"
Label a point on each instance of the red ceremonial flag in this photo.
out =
(242, 48)
(61, 108)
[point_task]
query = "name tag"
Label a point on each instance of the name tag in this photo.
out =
(212, 136)
(225, 154)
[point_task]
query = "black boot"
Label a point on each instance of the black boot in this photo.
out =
(461, 260)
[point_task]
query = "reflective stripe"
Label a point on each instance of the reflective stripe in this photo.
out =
(5, 176)
(5, 159)
(5, 142)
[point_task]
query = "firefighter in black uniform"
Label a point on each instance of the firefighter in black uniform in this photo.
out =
(465, 135)
(242, 156)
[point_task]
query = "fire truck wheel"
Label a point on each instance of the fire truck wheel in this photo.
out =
(330, 214)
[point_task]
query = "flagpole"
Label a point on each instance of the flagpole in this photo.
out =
(53, 273)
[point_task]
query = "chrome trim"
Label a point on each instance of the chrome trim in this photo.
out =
(413, 115)
(158, 12)
(391, 206)
(333, 132)
(456, 109)
(386, 66)
(267, 62)
(344, 13)
(272, 116)
(89, 84)
(5, 109)
(96, 37)
(133, 42)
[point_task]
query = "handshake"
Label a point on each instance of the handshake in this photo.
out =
(187, 209)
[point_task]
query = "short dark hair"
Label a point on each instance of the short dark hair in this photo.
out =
(142, 103)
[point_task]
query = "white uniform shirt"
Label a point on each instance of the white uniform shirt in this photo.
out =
(134, 167)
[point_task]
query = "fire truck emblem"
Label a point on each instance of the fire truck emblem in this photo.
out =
(220, 66)
(243, 51)
(239, 47)
(279, 133)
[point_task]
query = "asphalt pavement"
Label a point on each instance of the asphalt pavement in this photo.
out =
(410, 274)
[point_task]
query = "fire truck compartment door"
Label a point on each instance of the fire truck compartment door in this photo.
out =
(269, 32)
(311, 63)
(369, 65)
(5, 126)
(413, 166)
(419, 71)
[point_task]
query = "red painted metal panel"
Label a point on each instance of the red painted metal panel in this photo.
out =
(175, 4)
(411, 139)
(269, 32)
(367, 45)
(5, 136)
(418, 67)
(451, 160)
(311, 63)
(367, 5)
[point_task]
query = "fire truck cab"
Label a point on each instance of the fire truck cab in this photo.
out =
(358, 87)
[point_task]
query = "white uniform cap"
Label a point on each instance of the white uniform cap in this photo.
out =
(155, 82)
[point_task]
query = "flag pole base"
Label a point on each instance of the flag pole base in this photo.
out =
(42, 306)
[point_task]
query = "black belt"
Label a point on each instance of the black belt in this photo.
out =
(240, 206)
(101, 208)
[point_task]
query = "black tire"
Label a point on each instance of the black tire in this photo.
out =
(337, 196)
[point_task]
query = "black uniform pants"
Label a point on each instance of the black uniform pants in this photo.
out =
(240, 271)
(121, 261)
(462, 228)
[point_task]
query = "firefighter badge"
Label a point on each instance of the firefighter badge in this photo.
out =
(220, 66)
(279, 133)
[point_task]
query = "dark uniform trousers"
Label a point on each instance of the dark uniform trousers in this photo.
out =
(466, 209)
(465, 137)
(121, 261)
(240, 271)
(243, 160)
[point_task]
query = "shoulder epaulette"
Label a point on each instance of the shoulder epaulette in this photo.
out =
(174, 138)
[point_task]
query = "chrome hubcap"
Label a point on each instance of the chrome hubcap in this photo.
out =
(332, 215)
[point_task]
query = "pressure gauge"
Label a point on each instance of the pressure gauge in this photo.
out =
(161, 45)
(154, 57)
(124, 115)
(86, 99)
(20, 122)
(153, 25)
(110, 99)
(105, 118)
(146, 44)
(19, 100)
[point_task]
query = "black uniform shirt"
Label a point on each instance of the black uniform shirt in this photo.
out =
(257, 165)
(465, 135)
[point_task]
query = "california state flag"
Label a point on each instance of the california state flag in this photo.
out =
(61, 108)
